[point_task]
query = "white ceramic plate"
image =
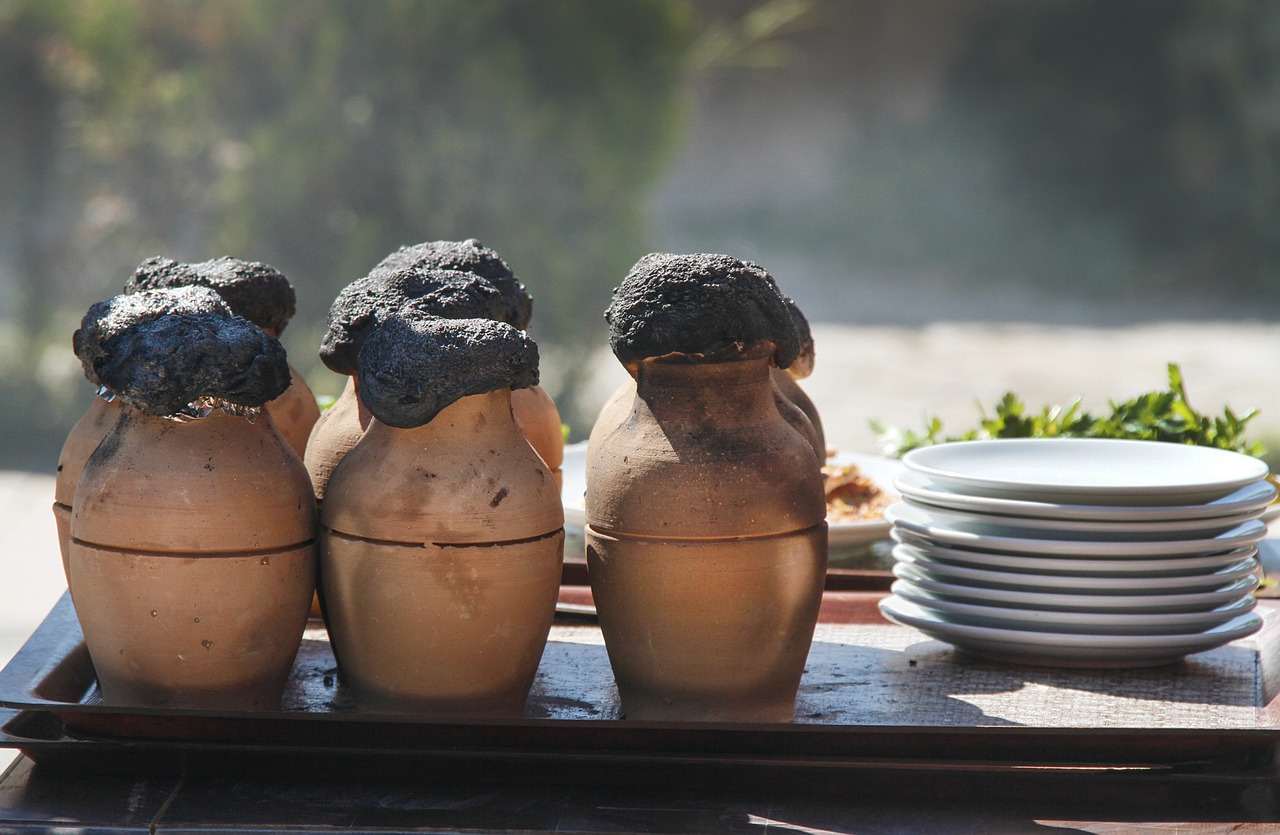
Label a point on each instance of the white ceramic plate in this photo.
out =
(1072, 584)
(573, 485)
(1087, 470)
(1133, 603)
(937, 528)
(1066, 649)
(1257, 495)
(1149, 567)
(987, 524)
(1100, 623)
(880, 470)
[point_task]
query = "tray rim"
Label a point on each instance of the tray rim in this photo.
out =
(605, 739)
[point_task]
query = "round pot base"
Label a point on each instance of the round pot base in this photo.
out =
(713, 630)
(192, 631)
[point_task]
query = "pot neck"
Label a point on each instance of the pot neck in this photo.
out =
(475, 414)
(727, 388)
(216, 420)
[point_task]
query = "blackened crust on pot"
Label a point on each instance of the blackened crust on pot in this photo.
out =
(412, 367)
(803, 332)
(469, 256)
(106, 320)
(804, 362)
(416, 290)
(701, 305)
(252, 289)
(162, 365)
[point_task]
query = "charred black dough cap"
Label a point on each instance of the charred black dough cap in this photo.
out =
(803, 332)
(711, 305)
(162, 365)
(365, 303)
(412, 367)
(469, 256)
(107, 319)
(252, 289)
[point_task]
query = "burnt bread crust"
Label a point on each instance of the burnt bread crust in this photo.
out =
(704, 305)
(100, 328)
(469, 256)
(252, 289)
(804, 362)
(165, 365)
(413, 366)
(364, 304)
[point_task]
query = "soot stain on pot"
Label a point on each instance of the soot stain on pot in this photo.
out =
(412, 368)
(109, 446)
(714, 306)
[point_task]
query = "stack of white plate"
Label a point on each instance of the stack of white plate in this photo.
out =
(1078, 552)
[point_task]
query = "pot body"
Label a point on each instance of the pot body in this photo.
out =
(337, 430)
(706, 545)
(441, 552)
(295, 412)
(539, 420)
(81, 441)
(793, 404)
(796, 396)
(192, 561)
(429, 628)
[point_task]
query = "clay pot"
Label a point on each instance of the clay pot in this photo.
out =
(81, 441)
(792, 399)
(613, 413)
(192, 561)
(539, 420)
(793, 404)
(295, 412)
(706, 543)
(441, 551)
(335, 433)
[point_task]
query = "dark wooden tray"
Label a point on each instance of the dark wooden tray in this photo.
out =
(874, 696)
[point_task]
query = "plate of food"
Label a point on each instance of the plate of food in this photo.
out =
(859, 487)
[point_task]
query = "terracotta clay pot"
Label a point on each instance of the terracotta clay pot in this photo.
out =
(335, 433)
(441, 551)
(706, 543)
(192, 561)
(617, 409)
(295, 412)
(539, 420)
(81, 441)
(791, 396)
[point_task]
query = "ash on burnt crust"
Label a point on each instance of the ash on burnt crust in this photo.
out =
(252, 289)
(415, 291)
(469, 256)
(106, 320)
(709, 305)
(164, 364)
(411, 368)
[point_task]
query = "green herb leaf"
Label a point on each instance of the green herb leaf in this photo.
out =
(1157, 416)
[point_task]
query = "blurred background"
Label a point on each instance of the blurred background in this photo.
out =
(1070, 174)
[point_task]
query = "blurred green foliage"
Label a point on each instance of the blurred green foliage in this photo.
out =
(320, 136)
(1165, 415)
